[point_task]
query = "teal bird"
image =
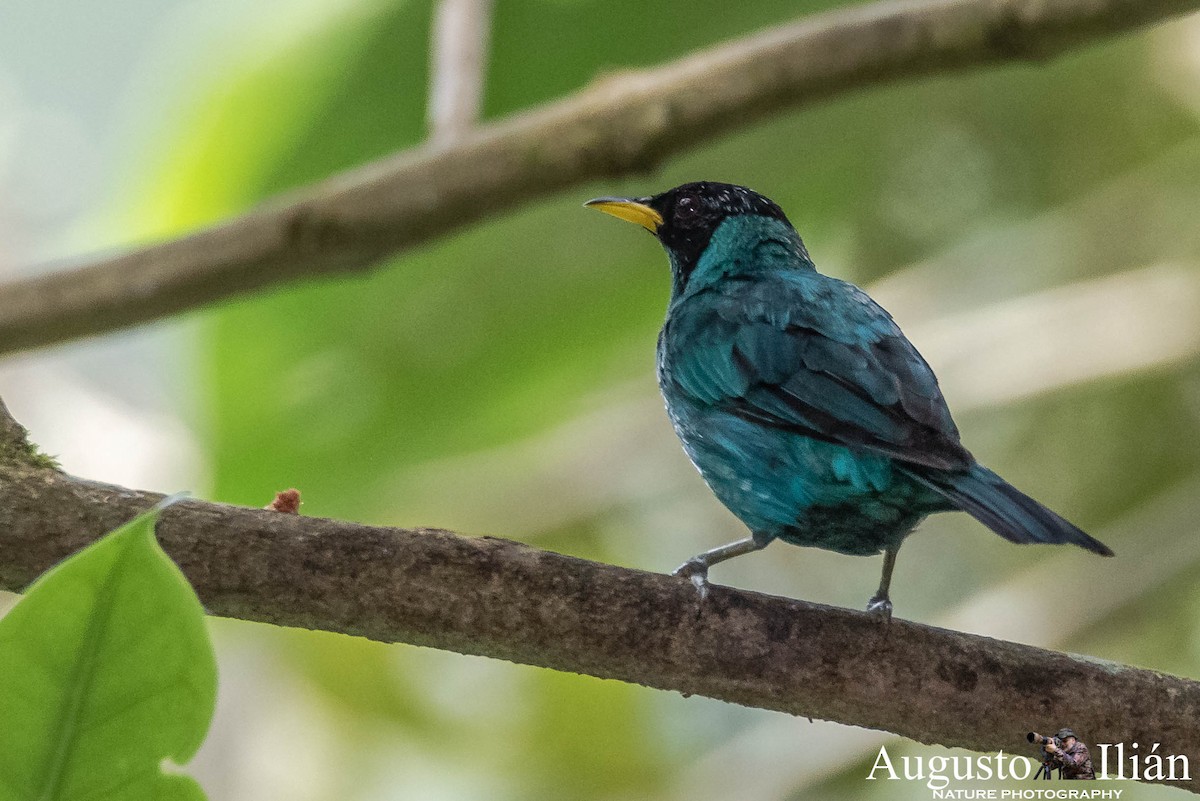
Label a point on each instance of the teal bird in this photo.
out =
(800, 401)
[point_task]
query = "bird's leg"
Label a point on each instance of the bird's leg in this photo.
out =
(880, 604)
(697, 567)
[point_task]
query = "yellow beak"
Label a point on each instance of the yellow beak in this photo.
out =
(628, 209)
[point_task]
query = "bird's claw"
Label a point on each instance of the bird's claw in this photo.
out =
(695, 571)
(881, 607)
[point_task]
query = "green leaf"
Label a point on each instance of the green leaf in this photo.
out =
(106, 670)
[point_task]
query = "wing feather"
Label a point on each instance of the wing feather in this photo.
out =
(816, 356)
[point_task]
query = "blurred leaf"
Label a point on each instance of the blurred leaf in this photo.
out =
(262, 83)
(105, 670)
(596, 738)
(359, 675)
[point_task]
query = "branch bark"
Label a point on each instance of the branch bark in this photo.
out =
(496, 598)
(626, 123)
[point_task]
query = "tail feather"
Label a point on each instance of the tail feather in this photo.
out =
(1006, 510)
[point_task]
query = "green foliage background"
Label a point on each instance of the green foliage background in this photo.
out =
(501, 381)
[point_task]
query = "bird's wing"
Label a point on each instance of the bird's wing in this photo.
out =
(817, 357)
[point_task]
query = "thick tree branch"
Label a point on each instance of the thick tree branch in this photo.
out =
(626, 123)
(501, 599)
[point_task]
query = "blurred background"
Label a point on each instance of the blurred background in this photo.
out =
(1033, 229)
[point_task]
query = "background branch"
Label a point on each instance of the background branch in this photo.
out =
(626, 123)
(461, 29)
(497, 598)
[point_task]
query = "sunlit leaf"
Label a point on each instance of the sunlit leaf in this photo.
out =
(106, 670)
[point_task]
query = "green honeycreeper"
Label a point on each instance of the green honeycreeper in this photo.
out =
(800, 401)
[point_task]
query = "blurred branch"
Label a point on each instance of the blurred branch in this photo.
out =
(626, 123)
(461, 29)
(496, 598)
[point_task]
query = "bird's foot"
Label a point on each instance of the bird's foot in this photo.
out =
(880, 606)
(696, 571)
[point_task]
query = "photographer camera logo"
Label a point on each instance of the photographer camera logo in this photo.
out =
(1064, 753)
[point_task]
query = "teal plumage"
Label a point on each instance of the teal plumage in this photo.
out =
(798, 398)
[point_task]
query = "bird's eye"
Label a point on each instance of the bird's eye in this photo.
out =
(686, 209)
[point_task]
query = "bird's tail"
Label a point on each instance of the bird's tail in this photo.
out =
(1005, 509)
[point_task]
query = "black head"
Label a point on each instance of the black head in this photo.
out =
(692, 212)
(685, 218)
